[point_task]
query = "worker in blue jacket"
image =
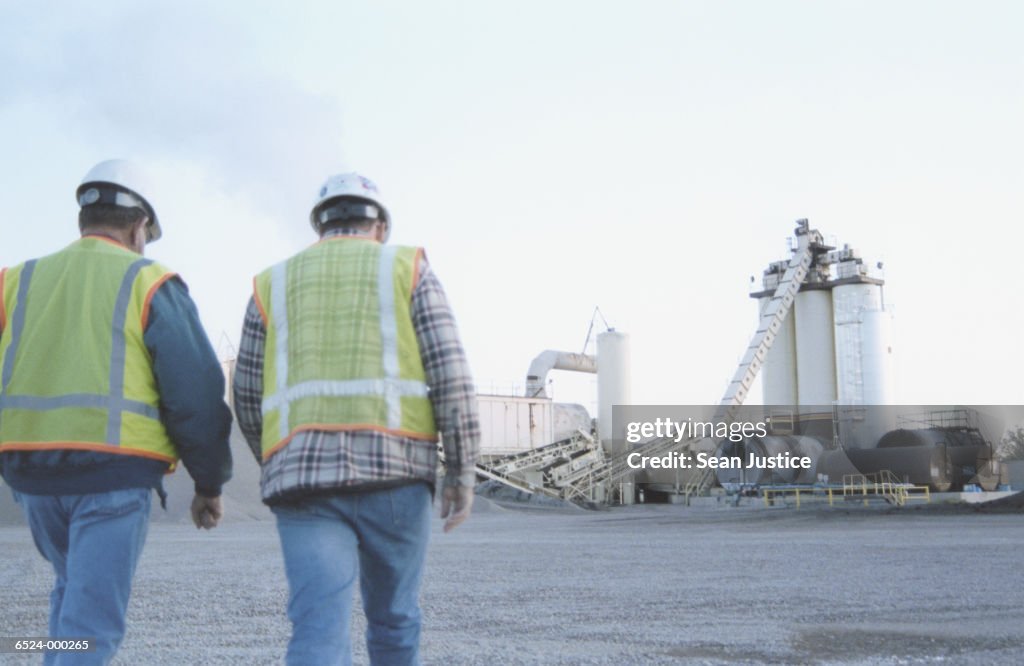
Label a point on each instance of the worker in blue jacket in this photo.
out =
(107, 379)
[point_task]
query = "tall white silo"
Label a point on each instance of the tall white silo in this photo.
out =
(849, 304)
(835, 347)
(876, 341)
(614, 381)
(877, 374)
(863, 357)
(815, 348)
(863, 344)
(778, 373)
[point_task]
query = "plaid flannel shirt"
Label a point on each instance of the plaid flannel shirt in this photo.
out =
(317, 461)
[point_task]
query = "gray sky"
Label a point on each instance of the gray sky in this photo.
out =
(557, 156)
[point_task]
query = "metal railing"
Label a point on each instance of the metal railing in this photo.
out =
(856, 487)
(885, 484)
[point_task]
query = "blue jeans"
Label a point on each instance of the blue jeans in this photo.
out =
(93, 542)
(381, 535)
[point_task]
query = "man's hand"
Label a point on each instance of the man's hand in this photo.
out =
(206, 511)
(456, 502)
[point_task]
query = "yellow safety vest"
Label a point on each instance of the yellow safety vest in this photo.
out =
(341, 351)
(74, 370)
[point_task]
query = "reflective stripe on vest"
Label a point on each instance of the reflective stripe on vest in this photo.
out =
(392, 387)
(19, 430)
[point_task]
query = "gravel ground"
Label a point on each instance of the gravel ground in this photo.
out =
(634, 585)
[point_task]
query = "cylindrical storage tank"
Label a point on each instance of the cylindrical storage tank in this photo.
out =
(972, 464)
(614, 381)
(834, 465)
(815, 348)
(761, 447)
(877, 360)
(919, 465)
(778, 373)
(988, 470)
(811, 448)
(967, 456)
(905, 437)
(849, 304)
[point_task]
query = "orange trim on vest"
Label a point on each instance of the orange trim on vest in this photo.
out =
(3, 312)
(84, 446)
(348, 427)
(259, 305)
(149, 298)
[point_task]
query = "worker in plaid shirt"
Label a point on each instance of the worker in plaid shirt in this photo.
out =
(350, 368)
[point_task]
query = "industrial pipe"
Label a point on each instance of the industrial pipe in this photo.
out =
(550, 359)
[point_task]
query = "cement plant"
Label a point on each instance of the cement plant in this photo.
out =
(822, 348)
(851, 530)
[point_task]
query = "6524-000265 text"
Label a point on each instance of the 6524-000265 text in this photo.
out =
(16, 645)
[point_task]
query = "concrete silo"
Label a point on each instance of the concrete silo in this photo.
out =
(614, 382)
(815, 347)
(835, 347)
(778, 374)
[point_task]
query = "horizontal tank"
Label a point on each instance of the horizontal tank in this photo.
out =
(942, 459)
(834, 465)
(764, 447)
(970, 456)
(919, 465)
(906, 437)
(989, 471)
(812, 448)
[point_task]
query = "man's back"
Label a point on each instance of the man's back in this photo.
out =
(349, 366)
(91, 296)
(106, 379)
(344, 349)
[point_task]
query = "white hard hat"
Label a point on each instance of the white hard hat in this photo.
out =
(355, 192)
(121, 183)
